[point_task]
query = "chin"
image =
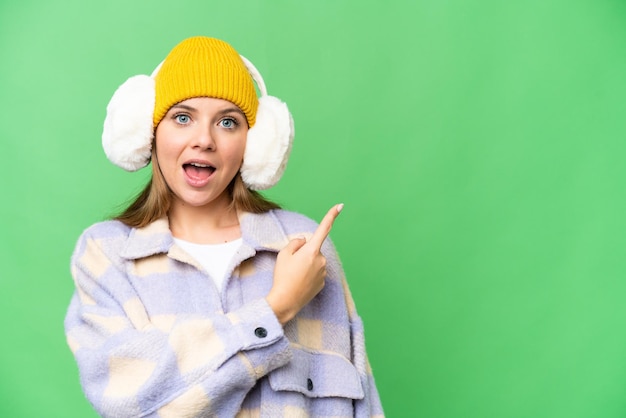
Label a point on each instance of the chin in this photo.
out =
(200, 201)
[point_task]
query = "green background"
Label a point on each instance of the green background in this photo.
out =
(478, 146)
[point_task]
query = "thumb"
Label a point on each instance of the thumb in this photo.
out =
(294, 245)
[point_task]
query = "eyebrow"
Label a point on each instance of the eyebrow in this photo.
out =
(221, 112)
(189, 108)
(233, 109)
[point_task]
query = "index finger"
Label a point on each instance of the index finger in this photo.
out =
(324, 227)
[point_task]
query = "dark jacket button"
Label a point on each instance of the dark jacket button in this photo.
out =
(260, 332)
(309, 384)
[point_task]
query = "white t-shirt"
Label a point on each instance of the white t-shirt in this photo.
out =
(215, 258)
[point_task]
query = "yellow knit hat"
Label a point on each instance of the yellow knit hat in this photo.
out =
(204, 67)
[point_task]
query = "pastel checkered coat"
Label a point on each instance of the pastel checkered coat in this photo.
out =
(153, 337)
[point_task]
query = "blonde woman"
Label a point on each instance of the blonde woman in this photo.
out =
(203, 298)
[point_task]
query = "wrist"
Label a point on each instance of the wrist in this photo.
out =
(283, 314)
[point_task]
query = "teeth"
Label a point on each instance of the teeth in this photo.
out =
(200, 165)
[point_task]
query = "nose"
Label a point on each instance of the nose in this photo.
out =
(204, 138)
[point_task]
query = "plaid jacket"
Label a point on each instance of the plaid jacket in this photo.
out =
(153, 337)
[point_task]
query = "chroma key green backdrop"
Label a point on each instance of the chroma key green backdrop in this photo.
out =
(479, 148)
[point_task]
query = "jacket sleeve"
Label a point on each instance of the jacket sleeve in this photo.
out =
(133, 366)
(370, 405)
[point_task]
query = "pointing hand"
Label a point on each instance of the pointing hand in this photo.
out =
(300, 271)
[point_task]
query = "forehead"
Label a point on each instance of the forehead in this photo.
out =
(207, 104)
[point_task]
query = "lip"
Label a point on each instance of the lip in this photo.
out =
(195, 181)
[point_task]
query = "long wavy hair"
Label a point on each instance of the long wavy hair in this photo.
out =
(153, 202)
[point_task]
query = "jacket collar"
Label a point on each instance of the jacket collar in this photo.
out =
(260, 232)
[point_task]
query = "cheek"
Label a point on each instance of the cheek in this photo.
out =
(238, 153)
(232, 148)
(165, 147)
(242, 145)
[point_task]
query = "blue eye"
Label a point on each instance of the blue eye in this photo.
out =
(182, 119)
(228, 123)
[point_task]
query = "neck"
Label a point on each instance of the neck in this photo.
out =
(210, 224)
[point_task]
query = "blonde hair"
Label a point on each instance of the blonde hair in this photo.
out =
(153, 202)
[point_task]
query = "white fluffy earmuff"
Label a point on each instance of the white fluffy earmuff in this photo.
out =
(269, 141)
(128, 131)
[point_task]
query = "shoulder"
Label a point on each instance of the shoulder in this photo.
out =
(106, 230)
(117, 239)
(294, 223)
(298, 225)
(104, 235)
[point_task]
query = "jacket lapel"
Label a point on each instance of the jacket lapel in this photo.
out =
(259, 232)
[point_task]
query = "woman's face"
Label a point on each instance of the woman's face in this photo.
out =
(199, 147)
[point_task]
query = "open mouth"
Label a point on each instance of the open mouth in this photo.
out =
(198, 171)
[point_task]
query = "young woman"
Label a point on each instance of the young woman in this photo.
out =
(204, 299)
